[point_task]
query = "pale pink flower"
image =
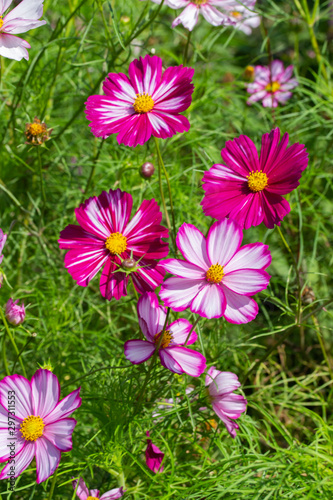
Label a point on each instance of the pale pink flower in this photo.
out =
(227, 405)
(40, 427)
(22, 18)
(154, 456)
(249, 187)
(15, 314)
(172, 353)
(145, 104)
(218, 276)
(241, 12)
(272, 84)
(84, 494)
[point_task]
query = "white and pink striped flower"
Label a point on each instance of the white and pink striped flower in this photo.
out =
(84, 494)
(106, 237)
(147, 103)
(173, 355)
(22, 18)
(241, 12)
(227, 405)
(218, 276)
(272, 84)
(40, 426)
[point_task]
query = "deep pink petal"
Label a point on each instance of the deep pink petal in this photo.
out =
(83, 265)
(241, 155)
(138, 351)
(113, 284)
(118, 87)
(45, 389)
(165, 124)
(209, 302)
(145, 74)
(191, 362)
(149, 276)
(47, 459)
(275, 209)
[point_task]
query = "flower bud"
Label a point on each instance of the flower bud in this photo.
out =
(147, 169)
(15, 314)
(128, 264)
(37, 132)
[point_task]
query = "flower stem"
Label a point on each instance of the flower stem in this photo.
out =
(12, 340)
(322, 344)
(93, 166)
(135, 292)
(4, 355)
(54, 480)
(40, 166)
(161, 167)
(193, 326)
(185, 58)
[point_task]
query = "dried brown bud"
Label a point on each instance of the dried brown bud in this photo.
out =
(147, 169)
(37, 133)
(128, 263)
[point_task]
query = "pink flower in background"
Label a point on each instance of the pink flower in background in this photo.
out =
(242, 14)
(22, 18)
(173, 355)
(15, 314)
(106, 235)
(226, 404)
(249, 189)
(83, 493)
(154, 456)
(271, 85)
(3, 239)
(147, 103)
(42, 429)
(218, 276)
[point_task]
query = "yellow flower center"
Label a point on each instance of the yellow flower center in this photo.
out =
(35, 129)
(199, 2)
(167, 338)
(143, 103)
(236, 14)
(257, 181)
(92, 498)
(116, 243)
(215, 273)
(272, 87)
(1, 22)
(32, 428)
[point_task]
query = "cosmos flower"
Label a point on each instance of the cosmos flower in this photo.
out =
(241, 12)
(173, 355)
(271, 85)
(154, 456)
(107, 238)
(40, 426)
(207, 8)
(227, 405)
(3, 239)
(15, 314)
(84, 494)
(147, 103)
(22, 18)
(248, 188)
(218, 276)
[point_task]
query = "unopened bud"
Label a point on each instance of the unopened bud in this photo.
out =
(147, 169)
(128, 263)
(15, 314)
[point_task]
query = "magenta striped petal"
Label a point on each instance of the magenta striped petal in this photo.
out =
(252, 256)
(152, 314)
(178, 293)
(59, 433)
(239, 308)
(246, 281)
(45, 389)
(65, 407)
(180, 330)
(22, 391)
(223, 241)
(47, 459)
(81, 491)
(209, 302)
(179, 359)
(22, 460)
(138, 351)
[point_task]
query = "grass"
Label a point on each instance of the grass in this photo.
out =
(283, 449)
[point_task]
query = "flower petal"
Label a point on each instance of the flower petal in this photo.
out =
(230, 425)
(65, 407)
(113, 284)
(21, 388)
(223, 241)
(180, 359)
(192, 244)
(13, 47)
(82, 491)
(241, 155)
(183, 269)
(145, 74)
(45, 389)
(209, 302)
(22, 460)
(240, 308)
(188, 18)
(27, 9)
(138, 351)
(275, 209)
(222, 383)
(47, 459)
(59, 433)
(178, 293)
(113, 494)
(180, 330)
(214, 17)
(246, 281)
(152, 313)
(252, 256)
(167, 124)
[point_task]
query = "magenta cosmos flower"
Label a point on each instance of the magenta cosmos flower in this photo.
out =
(173, 355)
(22, 18)
(227, 405)
(217, 276)
(15, 314)
(271, 85)
(249, 189)
(106, 237)
(34, 423)
(147, 103)
(154, 456)
(84, 494)
(3, 239)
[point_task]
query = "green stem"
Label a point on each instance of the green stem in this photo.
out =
(93, 167)
(135, 292)
(40, 166)
(158, 345)
(4, 355)
(193, 326)
(54, 480)
(322, 344)
(161, 166)
(185, 58)
(12, 340)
